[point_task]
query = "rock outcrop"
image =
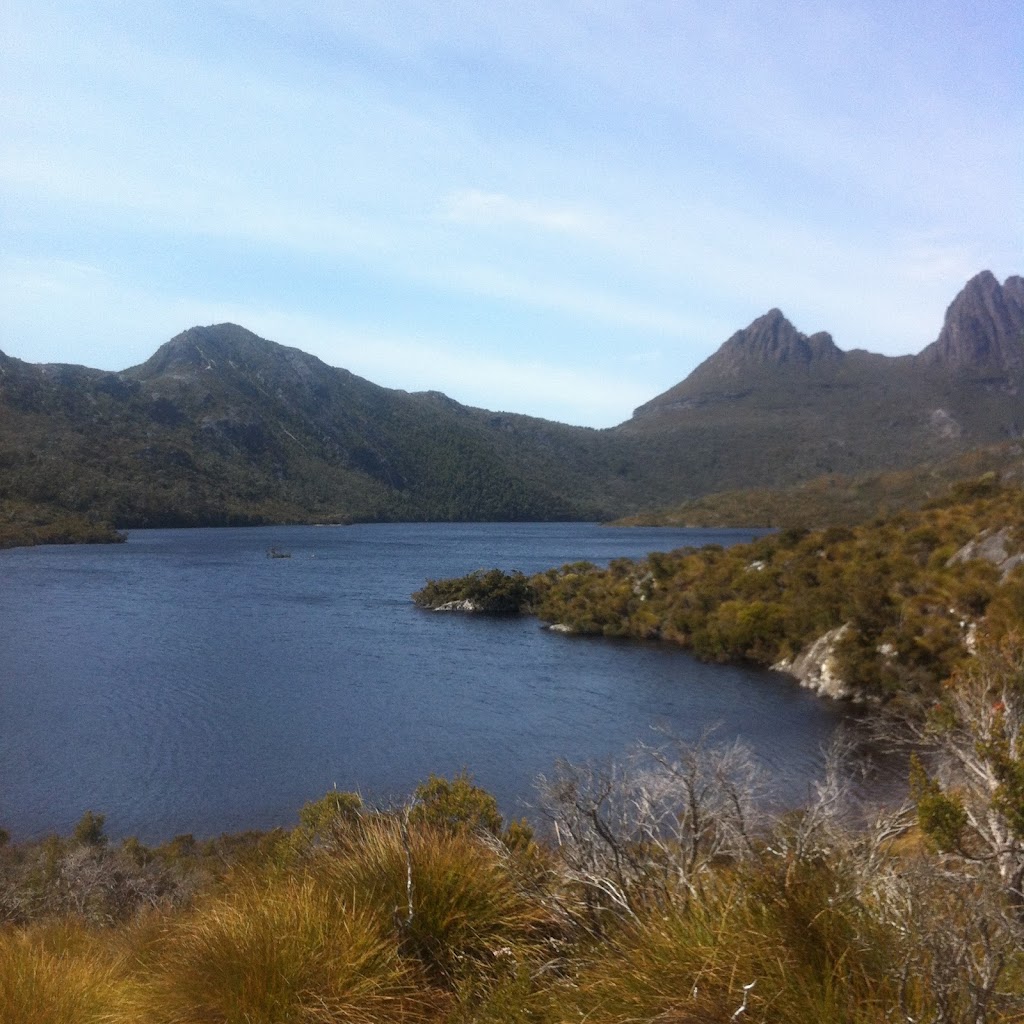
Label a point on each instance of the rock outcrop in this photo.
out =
(771, 341)
(991, 546)
(459, 606)
(983, 329)
(816, 669)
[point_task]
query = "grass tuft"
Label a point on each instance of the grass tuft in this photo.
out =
(55, 974)
(285, 950)
(465, 909)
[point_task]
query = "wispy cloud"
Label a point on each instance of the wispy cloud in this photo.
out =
(581, 180)
(487, 209)
(588, 304)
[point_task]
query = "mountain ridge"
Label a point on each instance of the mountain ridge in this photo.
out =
(982, 332)
(220, 425)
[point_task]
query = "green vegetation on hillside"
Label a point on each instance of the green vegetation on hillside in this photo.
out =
(253, 433)
(221, 427)
(835, 500)
(22, 526)
(911, 605)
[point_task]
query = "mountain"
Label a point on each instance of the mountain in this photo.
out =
(222, 426)
(774, 407)
(771, 343)
(983, 329)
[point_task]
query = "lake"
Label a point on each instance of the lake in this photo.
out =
(185, 682)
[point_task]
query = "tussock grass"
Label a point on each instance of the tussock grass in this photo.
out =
(455, 899)
(281, 951)
(420, 921)
(809, 954)
(56, 974)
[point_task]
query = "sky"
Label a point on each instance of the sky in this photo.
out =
(553, 207)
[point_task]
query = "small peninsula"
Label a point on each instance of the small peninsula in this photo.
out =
(875, 612)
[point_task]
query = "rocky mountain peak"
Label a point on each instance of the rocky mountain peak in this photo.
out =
(223, 347)
(983, 328)
(771, 339)
(771, 343)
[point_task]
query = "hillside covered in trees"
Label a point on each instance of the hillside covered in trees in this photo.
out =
(221, 427)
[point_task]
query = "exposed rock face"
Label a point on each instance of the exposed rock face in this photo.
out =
(771, 339)
(983, 328)
(990, 546)
(944, 424)
(815, 667)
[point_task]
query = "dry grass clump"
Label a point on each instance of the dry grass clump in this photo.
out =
(456, 899)
(56, 974)
(288, 951)
(782, 949)
(437, 919)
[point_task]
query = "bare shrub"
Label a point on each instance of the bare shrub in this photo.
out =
(651, 827)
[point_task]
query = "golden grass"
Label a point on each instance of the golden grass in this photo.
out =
(337, 936)
(56, 974)
(808, 956)
(280, 951)
(466, 910)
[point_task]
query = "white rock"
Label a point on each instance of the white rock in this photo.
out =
(464, 605)
(815, 666)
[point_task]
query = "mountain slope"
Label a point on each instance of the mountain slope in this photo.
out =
(773, 406)
(221, 426)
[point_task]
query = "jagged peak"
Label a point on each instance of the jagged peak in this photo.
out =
(769, 343)
(770, 339)
(983, 327)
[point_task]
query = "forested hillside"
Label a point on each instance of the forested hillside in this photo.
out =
(837, 500)
(221, 427)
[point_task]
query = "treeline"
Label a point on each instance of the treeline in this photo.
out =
(661, 892)
(26, 527)
(910, 604)
(835, 499)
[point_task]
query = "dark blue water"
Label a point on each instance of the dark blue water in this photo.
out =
(184, 682)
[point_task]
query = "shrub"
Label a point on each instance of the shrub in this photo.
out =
(494, 592)
(89, 830)
(456, 805)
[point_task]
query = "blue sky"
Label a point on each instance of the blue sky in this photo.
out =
(557, 208)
